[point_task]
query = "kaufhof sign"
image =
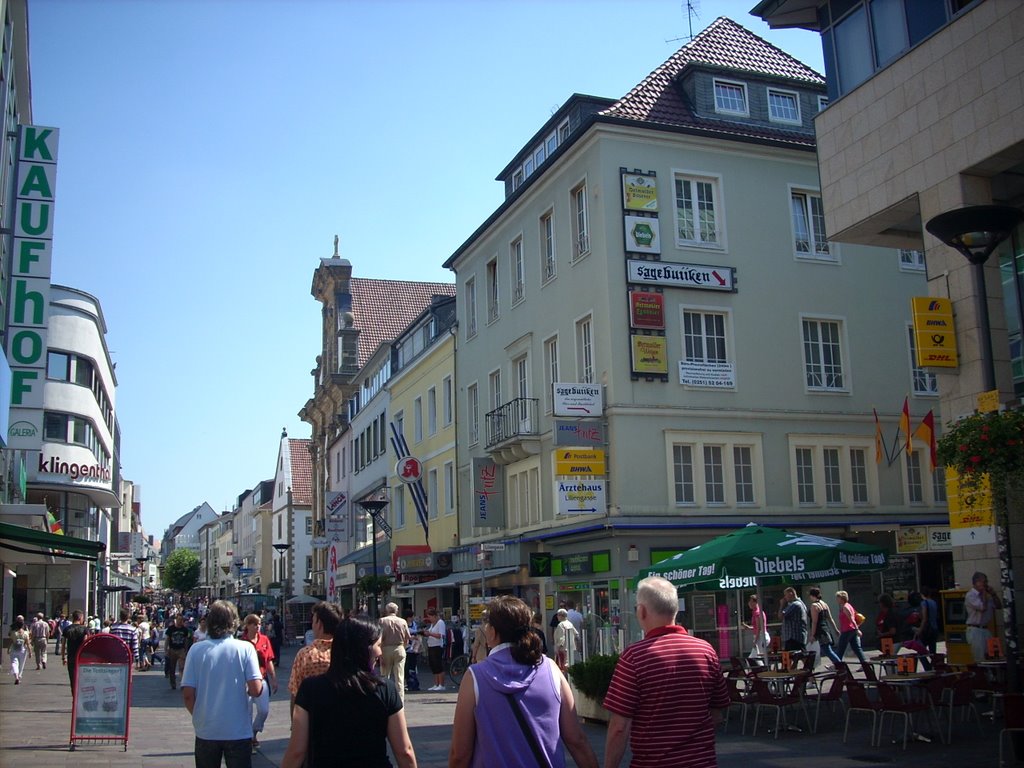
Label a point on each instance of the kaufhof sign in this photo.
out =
(29, 297)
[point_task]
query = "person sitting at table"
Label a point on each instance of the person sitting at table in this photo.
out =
(849, 629)
(821, 617)
(886, 623)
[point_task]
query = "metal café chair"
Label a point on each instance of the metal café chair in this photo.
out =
(858, 701)
(764, 697)
(894, 705)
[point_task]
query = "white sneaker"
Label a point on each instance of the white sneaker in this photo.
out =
(437, 688)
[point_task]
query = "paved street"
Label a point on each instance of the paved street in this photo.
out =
(35, 720)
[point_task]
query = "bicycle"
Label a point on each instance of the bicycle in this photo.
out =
(457, 668)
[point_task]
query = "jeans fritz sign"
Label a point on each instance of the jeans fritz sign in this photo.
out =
(29, 299)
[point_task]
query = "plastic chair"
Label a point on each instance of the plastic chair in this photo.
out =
(1013, 711)
(893, 705)
(858, 701)
(738, 697)
(764, 697)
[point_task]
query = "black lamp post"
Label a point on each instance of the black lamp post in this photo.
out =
(976, 231)
(282, 547)
(373, 507)
(142, 560)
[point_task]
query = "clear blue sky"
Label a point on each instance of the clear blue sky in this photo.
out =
(211, 149)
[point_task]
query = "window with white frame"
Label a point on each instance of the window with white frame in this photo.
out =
(924, 382)
(400, 423)
(432, 411)
(822, 102)
(585, 350)
(915, 486)
(449, 488)
(921, 487)
(823, 355)
(809, 227)
(730, 97)
(833, 470)
(473, 413)
(521, 369)
(398, 506)
(704, 338)
(550, 371)
(492, 290)
(580, 222)
(911, 260)
(417, 419)
(309, 526)
(547, 246)
(494, 386)
(471, 308)
(783, 106)
(446, 401)
(433, 510)
(697, 211)
(939, 485)
(518, 274)
(715, 469)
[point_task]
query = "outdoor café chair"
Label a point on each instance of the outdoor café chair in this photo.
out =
(893, 704)
(858, 701)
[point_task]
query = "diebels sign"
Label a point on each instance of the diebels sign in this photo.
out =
(29, 299)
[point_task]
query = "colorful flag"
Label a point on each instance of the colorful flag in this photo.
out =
(54, 525)
(905, 425)
(926, 433)
(879, 450)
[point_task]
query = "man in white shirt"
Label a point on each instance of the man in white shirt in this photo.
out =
(437, 636)
(980, 602)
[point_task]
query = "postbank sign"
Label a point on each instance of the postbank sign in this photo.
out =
(29, 298)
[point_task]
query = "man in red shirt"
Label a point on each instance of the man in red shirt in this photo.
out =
(668, 692)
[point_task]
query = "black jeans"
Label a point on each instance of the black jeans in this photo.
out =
(236, 754)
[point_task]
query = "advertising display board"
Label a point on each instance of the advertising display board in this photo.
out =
(102, 695)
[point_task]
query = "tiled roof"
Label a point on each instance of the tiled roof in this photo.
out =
(724, 44)
(382, 309)
(302, 471)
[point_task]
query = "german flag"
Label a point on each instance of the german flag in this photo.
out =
(879, 449)
(54, 525)
(926, 433)
(905, 425)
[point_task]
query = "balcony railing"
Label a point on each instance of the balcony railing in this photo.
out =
(515, 419)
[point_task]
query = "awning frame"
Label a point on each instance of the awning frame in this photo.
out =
(453, 580)
(49, 544)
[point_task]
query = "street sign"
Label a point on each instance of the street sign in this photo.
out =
(583, 400)
(580, 497)
(384, 526)
(493, 546)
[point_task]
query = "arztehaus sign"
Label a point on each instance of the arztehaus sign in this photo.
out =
(29, 297)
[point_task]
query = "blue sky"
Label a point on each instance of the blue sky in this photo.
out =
(210, 151)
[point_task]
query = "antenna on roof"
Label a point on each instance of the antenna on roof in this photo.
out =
(692, 8)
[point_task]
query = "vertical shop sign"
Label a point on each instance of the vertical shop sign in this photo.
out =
(29, 298)
(488, 494)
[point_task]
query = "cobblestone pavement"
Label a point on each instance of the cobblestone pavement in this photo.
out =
(35, 720)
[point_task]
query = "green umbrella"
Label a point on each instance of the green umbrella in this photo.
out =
(769, 555)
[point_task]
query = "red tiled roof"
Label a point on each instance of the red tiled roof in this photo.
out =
(723, 44)
(302, 471)
(382, 309)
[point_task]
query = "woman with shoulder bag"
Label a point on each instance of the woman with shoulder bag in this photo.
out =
(849, 628)
(821, 617)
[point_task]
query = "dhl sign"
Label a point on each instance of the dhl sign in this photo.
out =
(934, 333)
(578, 462)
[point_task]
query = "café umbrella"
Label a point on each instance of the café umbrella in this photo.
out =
(755, 555)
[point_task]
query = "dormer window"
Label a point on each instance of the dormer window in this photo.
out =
(731, 97)
(783, 106)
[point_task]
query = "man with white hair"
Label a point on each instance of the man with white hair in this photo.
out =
(668, 692)
(394, 636)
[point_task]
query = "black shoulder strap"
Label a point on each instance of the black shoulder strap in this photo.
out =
(531, 738)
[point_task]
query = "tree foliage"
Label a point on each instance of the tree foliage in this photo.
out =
(181, 571)
(374, 585)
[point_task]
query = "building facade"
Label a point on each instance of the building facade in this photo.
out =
(658, 341)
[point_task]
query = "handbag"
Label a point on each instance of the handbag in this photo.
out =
(531, 738)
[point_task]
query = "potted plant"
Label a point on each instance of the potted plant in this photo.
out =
(590, 680)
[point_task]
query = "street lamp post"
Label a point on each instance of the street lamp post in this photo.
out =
(282, 548)
(975, 232)
(373, 507)
(142, 560)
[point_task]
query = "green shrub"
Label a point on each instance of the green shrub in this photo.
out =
(593, 676)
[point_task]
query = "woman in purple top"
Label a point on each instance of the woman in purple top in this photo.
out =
(515, 707)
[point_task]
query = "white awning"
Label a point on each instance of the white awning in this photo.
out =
(454, 579)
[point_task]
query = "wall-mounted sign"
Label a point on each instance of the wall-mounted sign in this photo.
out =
(580, 497)
(698, 373)
(971, 516)
(642, 234)
(934, 333)
(427, 562)
(649, 354)
(673, 275)
(583, 563)
(911, 538)
(640, 192)
(647, 310)
(579, 462)
(409, 469)
(578, 432)
(29, 283)
(540, 566)
(488, 494)
(577, 399)
(939, 538)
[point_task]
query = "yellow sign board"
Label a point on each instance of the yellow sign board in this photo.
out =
(911, 538)
(971, 514)
(580, 454)
(934, 332)
(988, 401)
(579, 468)
(640, 192)
(649, 354)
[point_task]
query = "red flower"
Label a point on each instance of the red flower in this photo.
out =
(963, 448)
(976, 459)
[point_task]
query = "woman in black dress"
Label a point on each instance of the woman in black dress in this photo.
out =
(351, 693)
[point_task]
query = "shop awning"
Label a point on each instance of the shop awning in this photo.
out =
(454, 579)
(34, 542)
(365, 555)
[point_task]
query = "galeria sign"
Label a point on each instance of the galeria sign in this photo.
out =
(29, 298)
